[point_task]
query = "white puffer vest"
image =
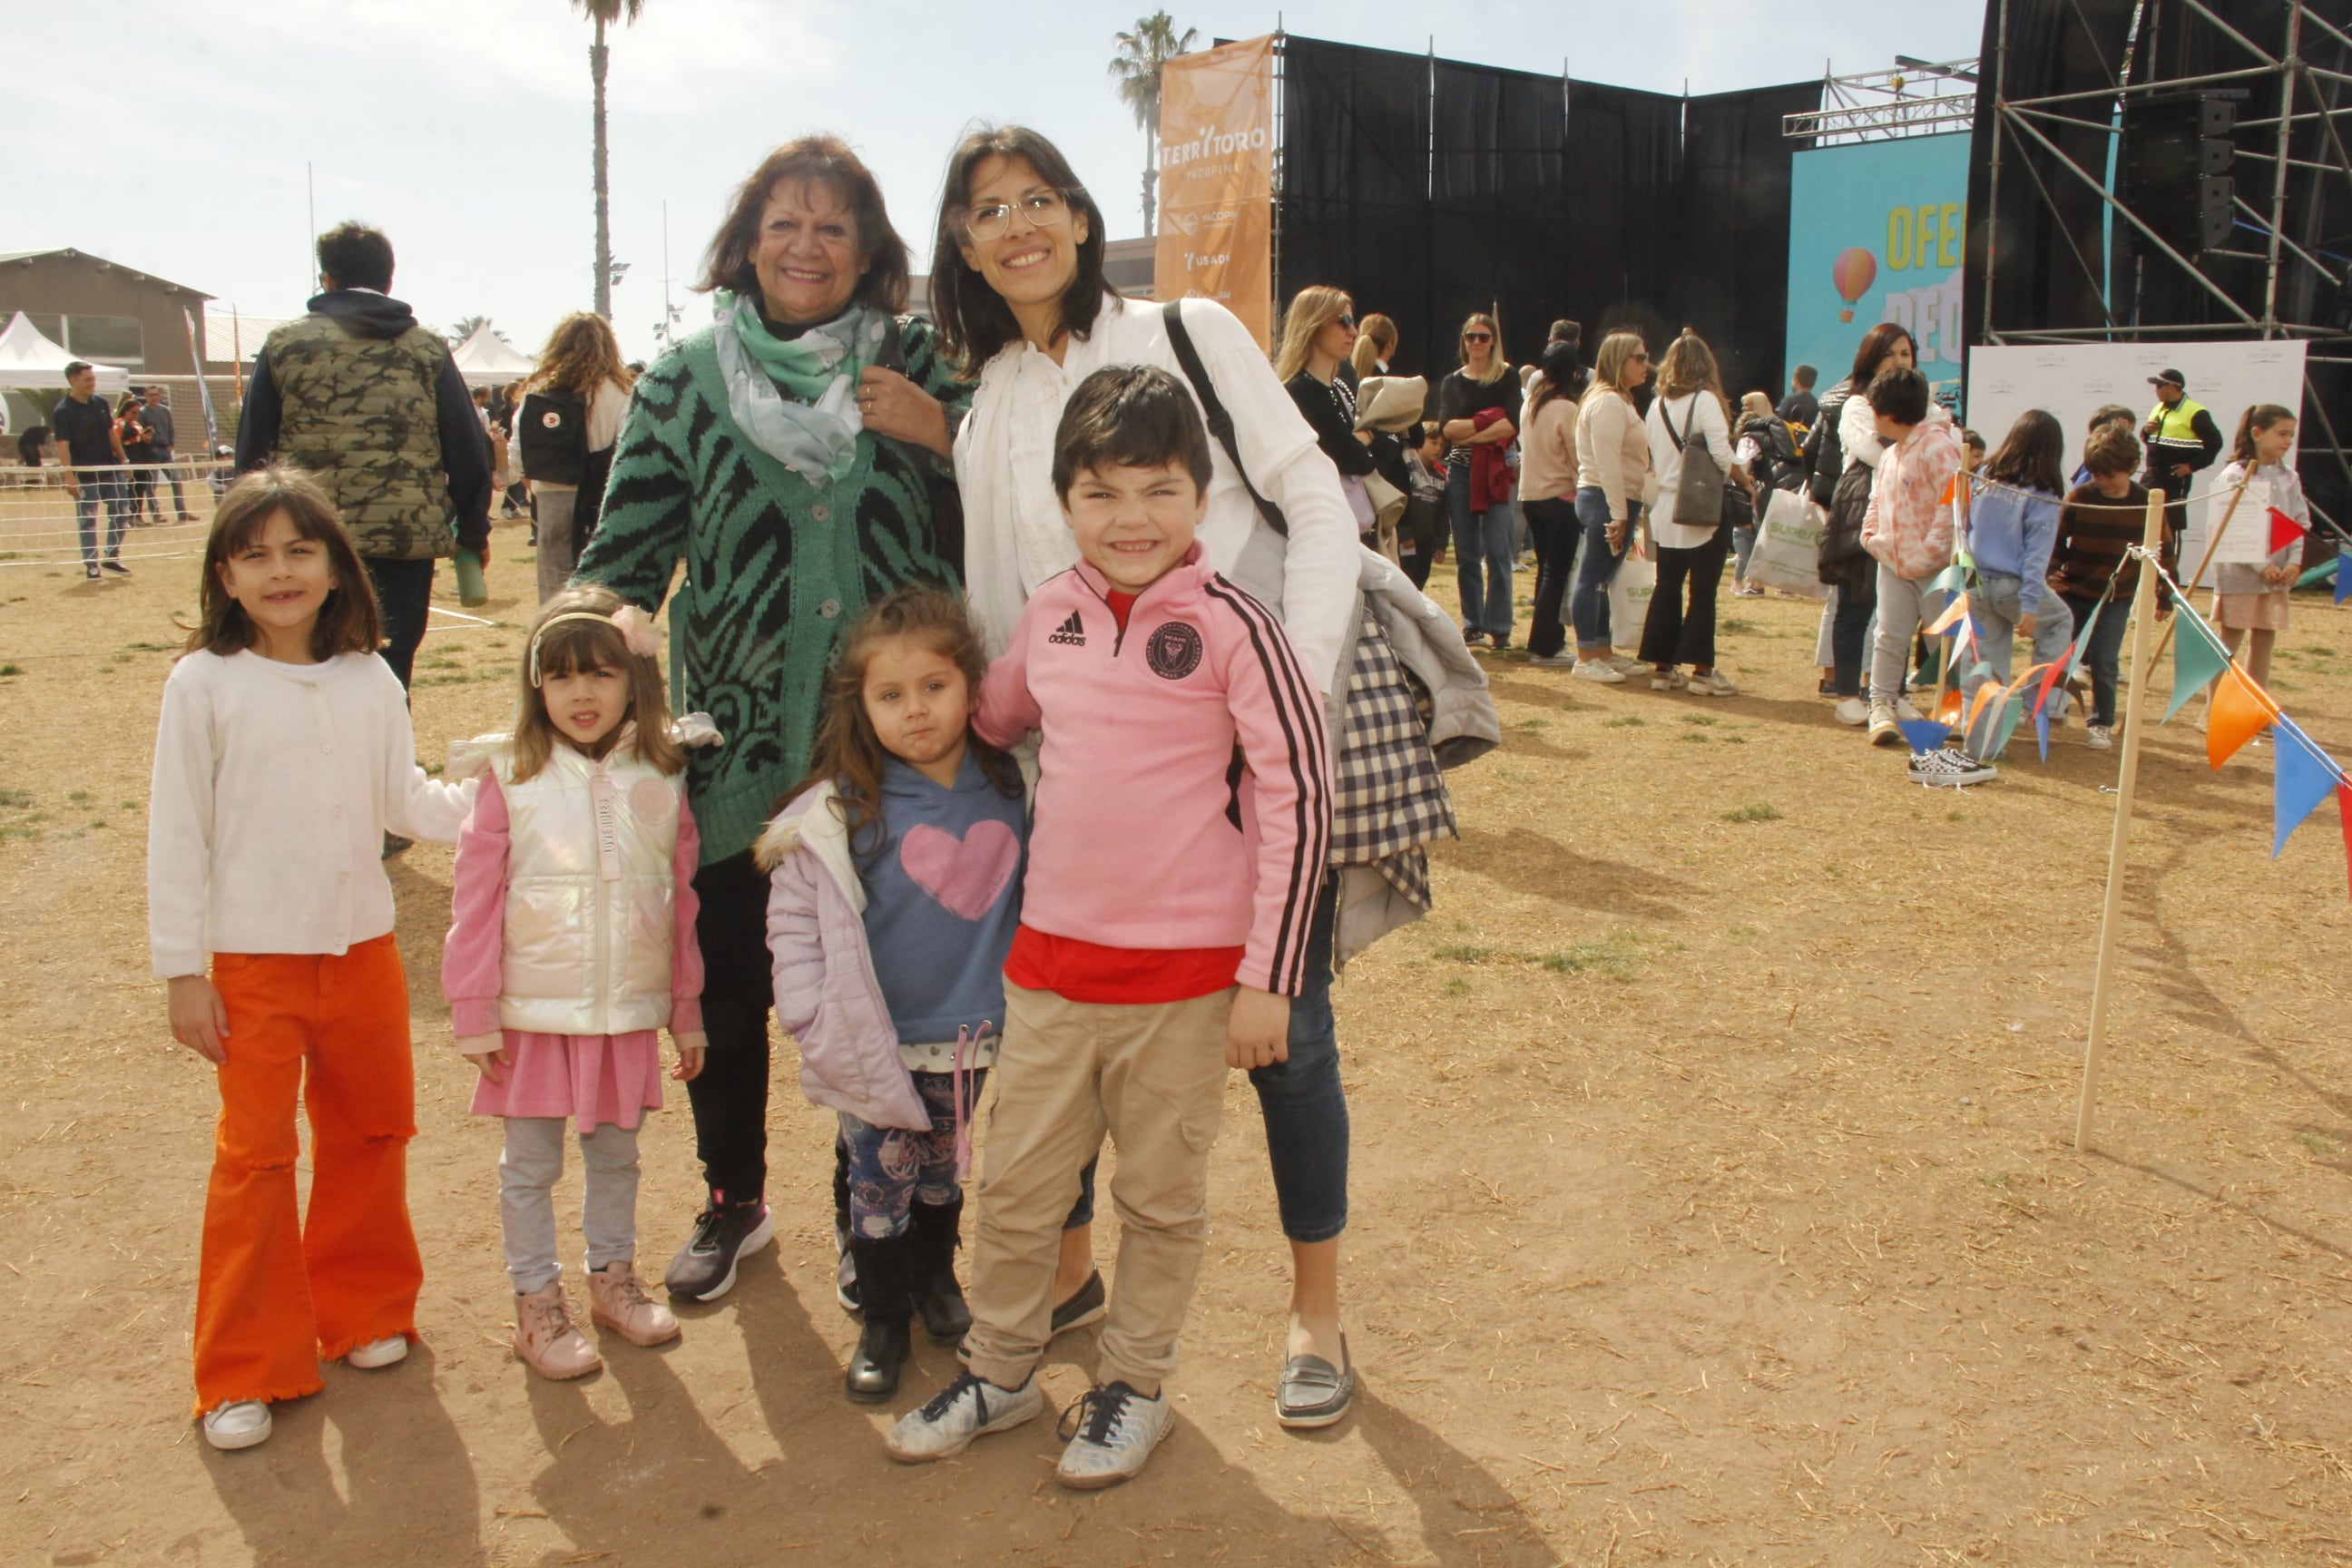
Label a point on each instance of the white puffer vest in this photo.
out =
(590, 895)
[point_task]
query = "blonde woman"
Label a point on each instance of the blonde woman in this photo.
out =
(1613, 468)
(1478, 408)
(1689, 401)
(1376, 341)
(566, 424)
(1318, 332)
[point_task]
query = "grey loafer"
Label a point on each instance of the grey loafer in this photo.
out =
(1312, 1391)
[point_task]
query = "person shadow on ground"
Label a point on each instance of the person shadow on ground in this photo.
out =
(407, 1489)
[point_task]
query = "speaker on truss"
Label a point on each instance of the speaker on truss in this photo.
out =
(2177, 154)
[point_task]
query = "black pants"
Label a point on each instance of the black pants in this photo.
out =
(729, 1097)
(1668, 634)
(403, 591)
(1553, 525)
(1848, 630)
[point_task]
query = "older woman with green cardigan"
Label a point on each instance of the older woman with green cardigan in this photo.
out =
(787, 454)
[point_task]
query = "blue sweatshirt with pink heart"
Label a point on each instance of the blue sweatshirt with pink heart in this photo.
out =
(942, 900)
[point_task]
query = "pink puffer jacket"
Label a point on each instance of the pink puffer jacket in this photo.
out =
(827, 998)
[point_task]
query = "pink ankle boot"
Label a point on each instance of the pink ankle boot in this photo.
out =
(545, 1339)
(617, 1300)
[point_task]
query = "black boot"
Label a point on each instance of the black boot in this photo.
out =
(935, 1231)
(888, 1340)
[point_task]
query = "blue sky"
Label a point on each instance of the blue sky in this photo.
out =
(172, 138)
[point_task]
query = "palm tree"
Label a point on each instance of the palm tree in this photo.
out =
(604, 12)
(466, 326)
(1137, 64)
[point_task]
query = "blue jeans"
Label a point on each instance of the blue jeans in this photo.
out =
(2101, 657)
(1303, 1104)
(1482, 549)
(101, 487)
(1588, 606)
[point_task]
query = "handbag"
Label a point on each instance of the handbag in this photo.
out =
(1787, 553)
(1698, 494)
(1364, 702)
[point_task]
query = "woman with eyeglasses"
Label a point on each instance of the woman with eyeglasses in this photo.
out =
(787, 454)
(1317, 332)
(1478, 408)
(1612, 472)
(1018, 290)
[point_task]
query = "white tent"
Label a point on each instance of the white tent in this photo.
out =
(30, 361)
(487, 359)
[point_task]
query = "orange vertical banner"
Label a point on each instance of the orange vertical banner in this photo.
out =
(1216, 181)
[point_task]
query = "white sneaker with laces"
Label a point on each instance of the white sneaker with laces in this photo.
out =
(1883, 731)
(240, 1424)
(2099, 737)
(389, 1350)
(1668, 679)
(1553, 660)
(1111, 1432)
(1714, 683)
(1623, 666)
(1905, 711)
(1949, 768)
(1599, 669)
(967, 1408)
(1853, 710)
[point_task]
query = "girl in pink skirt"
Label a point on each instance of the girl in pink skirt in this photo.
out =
(571, 947)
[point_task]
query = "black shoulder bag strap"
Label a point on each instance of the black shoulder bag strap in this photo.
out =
(1221, 421)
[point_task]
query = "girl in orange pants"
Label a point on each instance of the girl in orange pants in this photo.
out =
(283, 756)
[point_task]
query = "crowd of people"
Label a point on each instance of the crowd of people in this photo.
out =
(1050, 705)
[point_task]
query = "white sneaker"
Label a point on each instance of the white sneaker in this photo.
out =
(1905, 711)
(1111, 1431)
(1852, 711)
(2100, 737)
(389, 1350)
(967, 1408)
(1553, 660)
(1667, 680)
(240, 1424)
(1714, 683)
(1599, 669)
(1949, 768)
(1623, 666)
(1883, 731)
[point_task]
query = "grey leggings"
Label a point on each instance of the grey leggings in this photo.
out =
(533, 1158)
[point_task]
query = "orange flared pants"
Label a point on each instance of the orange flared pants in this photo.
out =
(278, 1290)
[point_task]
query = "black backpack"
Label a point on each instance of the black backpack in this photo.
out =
(552, 433)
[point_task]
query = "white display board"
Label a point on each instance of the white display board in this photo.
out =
(2074, 381)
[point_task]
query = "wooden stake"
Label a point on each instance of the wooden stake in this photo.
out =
(2210, 545)
(2119, 844)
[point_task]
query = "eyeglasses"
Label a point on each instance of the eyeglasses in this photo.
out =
(993, 220)
(1347, 321)
(1637, 359)
(1477, 336)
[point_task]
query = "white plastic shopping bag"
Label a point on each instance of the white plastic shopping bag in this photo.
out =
(1787, 553)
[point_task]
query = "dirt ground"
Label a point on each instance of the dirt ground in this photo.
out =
(1714, 1195)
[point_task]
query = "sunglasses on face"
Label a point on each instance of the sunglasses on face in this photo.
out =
(1347, 321)
(1477, 336)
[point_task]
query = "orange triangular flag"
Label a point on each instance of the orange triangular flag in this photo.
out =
(1985, 693)
(2240, 711)
(1951, 617)
(1947, 712)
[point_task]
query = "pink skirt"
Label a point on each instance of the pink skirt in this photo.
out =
(2265, 612)
(590, 1079)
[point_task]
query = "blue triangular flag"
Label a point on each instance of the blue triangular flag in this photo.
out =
(1925, 734)
(2305, 777)
(2042, 729)
(2343, 574)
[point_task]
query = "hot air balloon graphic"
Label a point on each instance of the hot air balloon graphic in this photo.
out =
(1852, 273)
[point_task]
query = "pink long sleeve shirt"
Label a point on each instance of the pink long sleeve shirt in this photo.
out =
(472, 958)
(1184, 793)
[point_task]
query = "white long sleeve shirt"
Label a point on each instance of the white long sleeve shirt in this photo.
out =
(1014, 534)
(274, 785)
(1700, 411)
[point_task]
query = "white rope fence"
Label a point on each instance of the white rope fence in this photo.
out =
(159, 511)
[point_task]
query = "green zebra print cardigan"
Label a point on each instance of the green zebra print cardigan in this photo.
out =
(776, 568)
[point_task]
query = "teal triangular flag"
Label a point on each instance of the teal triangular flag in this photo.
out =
(2083, 636)
(2305, 777)
(2004, 724)
(1952, 579)
(2197, 659)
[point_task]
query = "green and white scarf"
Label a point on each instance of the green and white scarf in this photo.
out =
(814, 430)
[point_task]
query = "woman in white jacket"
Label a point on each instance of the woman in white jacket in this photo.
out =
(1845, 450)
(1689, 401)
(1018, 290)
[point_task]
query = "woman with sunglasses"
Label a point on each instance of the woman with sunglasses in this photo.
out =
(1612, 471)
(1478, 408)
(1317, 332)
(1018, 290)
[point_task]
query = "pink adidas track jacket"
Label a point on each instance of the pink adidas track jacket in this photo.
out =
(1184, 789)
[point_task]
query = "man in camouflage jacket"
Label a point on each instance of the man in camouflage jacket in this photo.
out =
(370, 403)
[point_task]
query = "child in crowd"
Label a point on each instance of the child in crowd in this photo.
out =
(1972, 451)
(2247, 598)
(2012, 525)
(1907, 528)
(2111, 414)
(1146, 964)
(570, 946)
(895, 889)
(2100, 523)
(283, 756)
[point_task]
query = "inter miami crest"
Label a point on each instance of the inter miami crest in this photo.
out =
(1174, 650)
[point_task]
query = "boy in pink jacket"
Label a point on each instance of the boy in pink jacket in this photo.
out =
(1183, 810)
(1908, 528)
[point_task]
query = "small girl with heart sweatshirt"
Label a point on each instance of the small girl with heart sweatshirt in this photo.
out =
(894, 893)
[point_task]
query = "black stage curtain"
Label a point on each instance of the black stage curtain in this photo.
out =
(1735, 229)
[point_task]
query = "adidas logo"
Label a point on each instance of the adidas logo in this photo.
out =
(1072, 631)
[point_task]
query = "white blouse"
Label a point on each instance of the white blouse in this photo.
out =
(274, 785)
(1704, 412)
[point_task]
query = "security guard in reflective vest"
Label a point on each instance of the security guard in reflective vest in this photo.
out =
(2180, 434)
